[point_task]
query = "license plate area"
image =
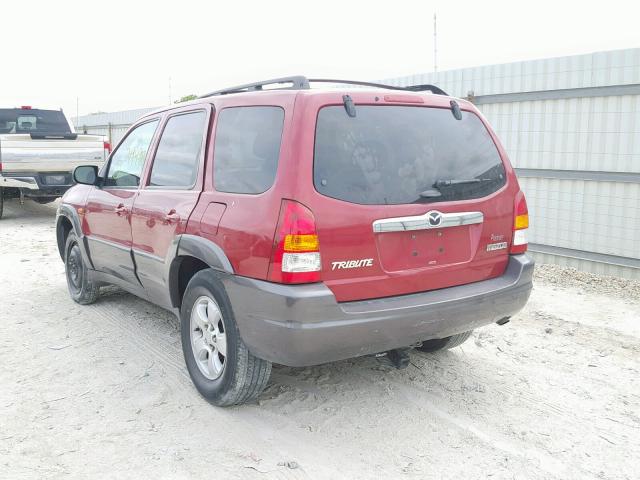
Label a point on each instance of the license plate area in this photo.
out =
(431, 248)
(55, 179)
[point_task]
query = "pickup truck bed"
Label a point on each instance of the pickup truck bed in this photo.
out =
(39, 150)
(43, 166)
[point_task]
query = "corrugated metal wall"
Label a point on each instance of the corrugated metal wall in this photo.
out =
(571, 126)
(113, 125)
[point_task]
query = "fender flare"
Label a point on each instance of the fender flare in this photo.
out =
(204, 250)
(69, 213)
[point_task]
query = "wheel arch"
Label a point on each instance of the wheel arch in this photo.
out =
(66, 221)
(194, 254)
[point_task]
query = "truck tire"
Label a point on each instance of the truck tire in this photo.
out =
(221, 367)
(446, 343)
(81, 289)
(44, 200)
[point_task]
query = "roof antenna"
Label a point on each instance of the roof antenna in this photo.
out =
(435, 45)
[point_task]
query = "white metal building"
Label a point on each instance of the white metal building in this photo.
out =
(571, 126)
(113, 125)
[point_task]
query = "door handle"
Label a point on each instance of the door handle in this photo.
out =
(171, 217)
(121, 210)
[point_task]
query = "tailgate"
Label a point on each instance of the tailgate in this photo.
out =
(410, 199)
(20, 153)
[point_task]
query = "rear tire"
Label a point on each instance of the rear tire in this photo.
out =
(437, 344)
(43, 200)
(1, 201)
(219, 363)
(81, 289)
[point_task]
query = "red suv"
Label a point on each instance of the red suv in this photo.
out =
(301, 226)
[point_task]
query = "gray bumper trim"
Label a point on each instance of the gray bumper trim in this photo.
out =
(300, 325)
(18, 182)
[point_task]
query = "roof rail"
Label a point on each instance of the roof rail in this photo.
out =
(409, 88)
(300, 82)
(297, 83)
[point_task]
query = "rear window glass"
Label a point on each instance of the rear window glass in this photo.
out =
(17, 120)
(398, 155)
(247, 147)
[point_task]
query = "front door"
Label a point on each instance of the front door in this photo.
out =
(108, 213)
(168, 196)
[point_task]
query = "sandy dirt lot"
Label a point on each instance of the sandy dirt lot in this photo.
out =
(102, 391)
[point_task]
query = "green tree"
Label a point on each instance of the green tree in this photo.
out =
(186, 98)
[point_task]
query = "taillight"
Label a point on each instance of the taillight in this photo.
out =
(296, 251)
(519, 243)
(107, 147)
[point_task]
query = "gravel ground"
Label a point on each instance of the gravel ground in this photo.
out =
(102, 391)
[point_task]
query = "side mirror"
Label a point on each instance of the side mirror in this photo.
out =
(86, 174)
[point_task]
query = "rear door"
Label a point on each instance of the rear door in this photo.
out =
(409, 199)
(108, 213)
(172, 185)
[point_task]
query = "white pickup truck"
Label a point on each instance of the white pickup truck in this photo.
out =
(39, 150)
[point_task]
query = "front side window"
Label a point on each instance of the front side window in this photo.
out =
(399, 155)
(127, 161)
(247, 148)
(178, 155)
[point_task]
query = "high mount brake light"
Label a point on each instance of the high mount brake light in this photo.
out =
(520, 243)
(296, 252)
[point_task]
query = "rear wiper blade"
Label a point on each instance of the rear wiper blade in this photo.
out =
(462, 181)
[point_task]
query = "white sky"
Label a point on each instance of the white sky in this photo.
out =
(116, 55)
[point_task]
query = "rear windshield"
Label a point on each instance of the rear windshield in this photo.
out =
(397, 155)
(17, 120)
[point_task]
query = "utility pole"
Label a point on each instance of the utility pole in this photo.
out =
(77, 110)
(435, 45)
(169, 90)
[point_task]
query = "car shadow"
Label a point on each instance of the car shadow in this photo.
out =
(29, 212)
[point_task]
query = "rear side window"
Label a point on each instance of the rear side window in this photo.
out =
(127, 161)
(178, 154)
(398, 155)
(247, 148)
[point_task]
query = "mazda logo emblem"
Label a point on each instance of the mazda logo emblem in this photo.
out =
(435, 218)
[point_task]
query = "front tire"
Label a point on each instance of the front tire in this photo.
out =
(219, 363)
(81, 289)
(437, 344)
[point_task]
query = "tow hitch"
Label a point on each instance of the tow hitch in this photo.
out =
(399, 357)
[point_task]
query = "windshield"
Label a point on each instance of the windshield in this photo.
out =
(398, 154)
(17, 120)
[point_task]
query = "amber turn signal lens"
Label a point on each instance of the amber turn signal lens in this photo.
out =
(522, 221)
(300, 243)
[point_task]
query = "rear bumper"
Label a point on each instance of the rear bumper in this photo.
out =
(35, 184)
(300, 325)
(19, 182)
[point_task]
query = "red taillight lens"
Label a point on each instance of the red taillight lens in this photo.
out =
(296, 251)
(519, 242)
(107, 147)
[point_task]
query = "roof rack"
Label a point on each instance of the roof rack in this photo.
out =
(300, 82)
